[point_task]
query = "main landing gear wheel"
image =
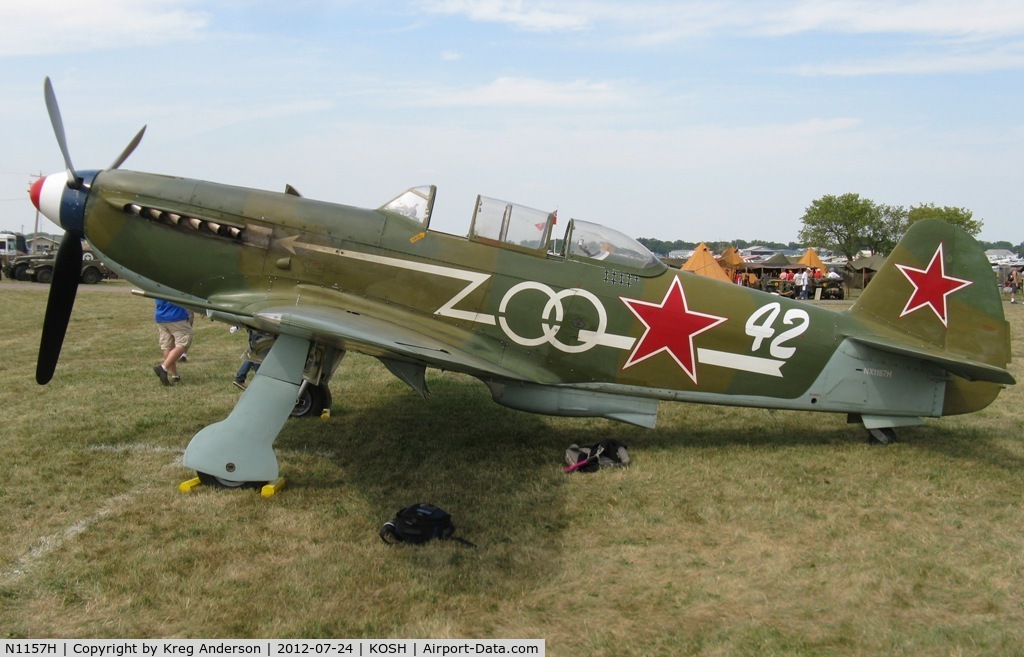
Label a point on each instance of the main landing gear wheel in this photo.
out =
(218, 482)
(882, 436)
(266, 489)
(312, 401)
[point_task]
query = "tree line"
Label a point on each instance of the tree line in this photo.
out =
(664, 247)
(849, 224)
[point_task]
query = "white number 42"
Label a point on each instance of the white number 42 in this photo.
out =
(761, 327)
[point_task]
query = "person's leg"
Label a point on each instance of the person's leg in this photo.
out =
(170, 363)
(243, 371)
(182, 335)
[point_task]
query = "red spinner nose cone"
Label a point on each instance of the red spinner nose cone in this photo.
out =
(35, 190)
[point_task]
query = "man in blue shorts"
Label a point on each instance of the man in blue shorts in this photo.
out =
(174, 330)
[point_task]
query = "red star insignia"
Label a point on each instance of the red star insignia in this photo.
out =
(931, 286)
(671, 327)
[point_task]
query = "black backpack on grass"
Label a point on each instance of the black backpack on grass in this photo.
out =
(420, 523)
(605, 454)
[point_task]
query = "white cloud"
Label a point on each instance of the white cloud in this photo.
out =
(980, 19)
(661, 21)
(519, 92)
(920, 64)
(533, 16)
(69, 26)
(911, 37)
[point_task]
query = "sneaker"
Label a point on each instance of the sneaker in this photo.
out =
(162, 373)
(183, 359)
(175, 379)
(239, 384)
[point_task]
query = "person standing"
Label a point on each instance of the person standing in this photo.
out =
(801, 282)
(174, 332)
(247, 363)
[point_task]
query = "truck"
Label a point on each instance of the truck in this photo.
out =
(40, 269)
(18, 264)
(12, 245)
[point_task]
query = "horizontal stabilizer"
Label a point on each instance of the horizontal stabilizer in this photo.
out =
(963, 367)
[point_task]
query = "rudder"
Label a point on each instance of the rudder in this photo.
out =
(936, 297)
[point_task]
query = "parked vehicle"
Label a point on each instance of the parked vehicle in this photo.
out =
(40, 270)
(12, 245)
(15, 267)
(830, 288)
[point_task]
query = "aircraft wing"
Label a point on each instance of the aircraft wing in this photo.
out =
(347, 329)
(375, 337)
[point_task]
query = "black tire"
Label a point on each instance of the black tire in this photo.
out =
(19, 272)
(312, 401)
(217, 482)
(91, 276)
(885, 436)
(44, 275)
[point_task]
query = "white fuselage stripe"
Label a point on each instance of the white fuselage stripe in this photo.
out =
(740, 362)
(473, 278)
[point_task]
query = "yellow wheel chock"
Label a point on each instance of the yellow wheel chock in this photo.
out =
(187, 486)
(268, 490)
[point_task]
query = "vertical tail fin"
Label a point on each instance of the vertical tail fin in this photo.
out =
(936, 298)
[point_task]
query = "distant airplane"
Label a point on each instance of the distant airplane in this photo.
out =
(595, 327)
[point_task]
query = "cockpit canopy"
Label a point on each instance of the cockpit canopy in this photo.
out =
(587, 241)
(416, 203)
(508, 224)
(519, 228)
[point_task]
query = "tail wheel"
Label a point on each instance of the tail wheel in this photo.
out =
(883, 436)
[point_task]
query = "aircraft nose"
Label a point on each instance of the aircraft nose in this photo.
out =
(59, 203)
(34, 192)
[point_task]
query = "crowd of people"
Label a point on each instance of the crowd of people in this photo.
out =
(800, 282)
(804, 280)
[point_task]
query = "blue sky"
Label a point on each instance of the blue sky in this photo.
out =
(694, 120)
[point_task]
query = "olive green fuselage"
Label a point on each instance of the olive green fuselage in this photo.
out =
(537, 316)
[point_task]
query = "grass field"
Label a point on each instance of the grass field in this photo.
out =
(734, 532)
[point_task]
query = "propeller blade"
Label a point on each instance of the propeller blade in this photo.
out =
(66, 271)
(128, 149)
(58, 130)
